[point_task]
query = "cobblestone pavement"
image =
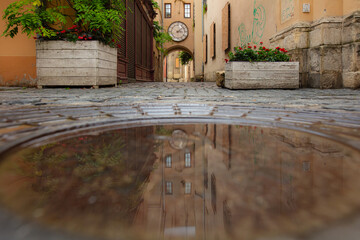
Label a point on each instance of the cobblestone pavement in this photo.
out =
(208, 93)
(35, 114)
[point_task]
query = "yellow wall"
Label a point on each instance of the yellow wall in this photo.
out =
(319, 9)
(17, 55)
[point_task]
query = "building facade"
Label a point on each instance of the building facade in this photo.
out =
(179, 18)
(135, 56)
(323, 35)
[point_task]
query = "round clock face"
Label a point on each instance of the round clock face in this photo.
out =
(178, 31)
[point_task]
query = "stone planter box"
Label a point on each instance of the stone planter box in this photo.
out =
(262, 75)
(84, 63)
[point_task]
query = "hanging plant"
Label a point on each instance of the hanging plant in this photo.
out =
(204, 8)
(185, 58)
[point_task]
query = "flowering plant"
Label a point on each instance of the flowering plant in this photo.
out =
(69, 20)
(254, 53)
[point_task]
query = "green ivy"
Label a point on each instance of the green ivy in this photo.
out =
(160, 36)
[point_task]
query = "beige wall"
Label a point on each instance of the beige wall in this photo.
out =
(274, 16)
(17, 56)
(244, 28)
(198, 40)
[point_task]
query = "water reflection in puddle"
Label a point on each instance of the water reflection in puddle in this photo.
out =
(201, 181)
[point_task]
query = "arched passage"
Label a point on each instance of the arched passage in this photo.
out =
(174, 71)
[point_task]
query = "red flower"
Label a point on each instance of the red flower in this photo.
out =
(267, 50)
(119, 46)
(90, 38)
(277, 48)
(240, 48)
(254, 46)
(261, 43)
(249, 47)
(226, 60)
(264, 48)
(57, 33)
(63, 31)
(282, 49)
(81, 38)
(285, 51)
(113, 40)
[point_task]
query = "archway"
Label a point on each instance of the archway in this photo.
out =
(173, 69)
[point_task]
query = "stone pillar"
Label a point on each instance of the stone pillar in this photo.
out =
(351, 51)
(170, 67)
(186, 73)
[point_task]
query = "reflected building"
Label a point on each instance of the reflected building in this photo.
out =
(196, 181)
(245, 181)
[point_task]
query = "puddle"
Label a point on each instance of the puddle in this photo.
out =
(195, 181)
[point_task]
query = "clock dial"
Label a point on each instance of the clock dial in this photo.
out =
(178, 31)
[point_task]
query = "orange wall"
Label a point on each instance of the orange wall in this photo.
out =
(17, 56)
(350, 6)
(319, 9)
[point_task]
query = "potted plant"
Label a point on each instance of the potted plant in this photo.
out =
(76, 39)
(253, 67)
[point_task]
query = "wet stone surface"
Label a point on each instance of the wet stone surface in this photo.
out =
(193, 181)
(37, 115)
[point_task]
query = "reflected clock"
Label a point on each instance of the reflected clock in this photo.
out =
(178, 31)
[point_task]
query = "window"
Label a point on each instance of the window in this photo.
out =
(212, 40)
(168, 188)
(226, 27)
(188, 188)
(168, 161)
(187, 159)
(205, 44)
(187, 10)
(167, 10)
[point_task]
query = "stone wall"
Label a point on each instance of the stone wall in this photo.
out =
(327, 49)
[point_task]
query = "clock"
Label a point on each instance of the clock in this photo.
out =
(178, 31)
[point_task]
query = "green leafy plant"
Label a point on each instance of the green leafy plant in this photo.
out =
(160, 36)
(185, 57)
(254, 53)
(204, 8)
(50, 19)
